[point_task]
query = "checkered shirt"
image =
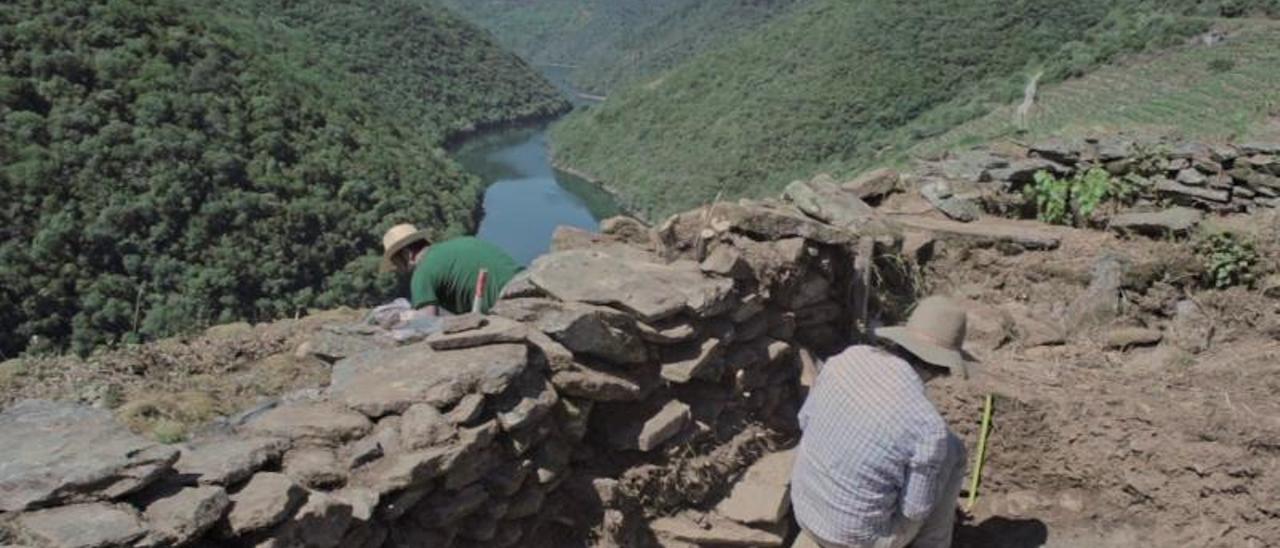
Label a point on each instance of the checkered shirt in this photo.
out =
(874, 449)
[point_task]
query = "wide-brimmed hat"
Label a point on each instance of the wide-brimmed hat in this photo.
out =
(396, 239)
(935, 334)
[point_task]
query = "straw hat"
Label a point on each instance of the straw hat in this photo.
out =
(396, 239)
(934, 333)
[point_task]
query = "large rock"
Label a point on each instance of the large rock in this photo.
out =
(319, 423)
(178, 517)
(651, 291)
(828, 203)
(1024, 171)
(408, 376)
(762, 495)
(1172, 221)
(970, 165)
(228, 460)
(315, 468)
(711, 531)
(584, 329)
(874, 184)
(56, 453)
(1058, 149)
(529, 400)
(320, 523)
(333, 343)
(940, 195)
(97, 525)
(265, 501)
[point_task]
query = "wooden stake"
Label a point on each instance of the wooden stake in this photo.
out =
(981, 457)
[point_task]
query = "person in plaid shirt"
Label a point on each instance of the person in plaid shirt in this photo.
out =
(877, 466)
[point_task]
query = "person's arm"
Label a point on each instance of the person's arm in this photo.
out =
(924, 479)
(422, 288)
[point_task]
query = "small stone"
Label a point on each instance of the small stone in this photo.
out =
(176, 518)
(315, 467)
(265, 501)
(96, 525)
(940, 195)
(324, 424)
(468, 411)
(642, 426)
(531, 399)
(695, 360)
(1192, 177)
(1128, 337)
(1100, 302)
(422, 426)
(725, 260)
(507, 478)
(669, 331)
(492, 330)
(527, 502)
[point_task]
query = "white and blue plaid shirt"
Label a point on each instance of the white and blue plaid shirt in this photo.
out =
(874, 449)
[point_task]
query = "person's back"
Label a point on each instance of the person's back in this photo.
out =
(447, 276)
(871, 460)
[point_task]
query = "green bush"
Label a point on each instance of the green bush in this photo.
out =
(1228, 260)
(1074, 201)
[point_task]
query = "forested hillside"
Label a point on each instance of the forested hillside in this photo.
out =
(614, 42)
(839, 85)
(168, 164)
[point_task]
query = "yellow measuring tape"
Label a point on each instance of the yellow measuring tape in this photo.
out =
(981, 457)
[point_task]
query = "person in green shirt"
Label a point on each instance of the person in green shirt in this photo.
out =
(445, 273)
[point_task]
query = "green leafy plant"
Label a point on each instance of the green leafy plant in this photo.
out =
(1228, 260)
(1073, 201)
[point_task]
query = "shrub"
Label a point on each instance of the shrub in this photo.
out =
(1074, 201)
(1221, 65)
(1228, 260)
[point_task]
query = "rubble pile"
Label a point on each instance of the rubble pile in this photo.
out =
(620, 351)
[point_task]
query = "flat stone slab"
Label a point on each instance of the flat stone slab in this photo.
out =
(651, 291)
(1029, 235)
(711, 530)
(1175, 220)
(490, 330)
(180, 517)
(321, 423)
(408, 375)
(825, 201)
(265, 501)
(762, 495)
(96, 525)
(1127, 337)
(228, 461)
(582, 328)
(603, 383)
(56, 453)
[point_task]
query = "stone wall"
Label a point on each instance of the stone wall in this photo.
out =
(613, 362)
(1214, 177)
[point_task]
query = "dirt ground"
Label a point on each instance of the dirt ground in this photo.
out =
(1176, 444)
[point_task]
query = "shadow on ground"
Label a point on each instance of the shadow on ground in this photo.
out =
(998, 532)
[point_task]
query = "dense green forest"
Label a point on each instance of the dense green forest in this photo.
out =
(836, 86)
(615, 42)
(167, 165)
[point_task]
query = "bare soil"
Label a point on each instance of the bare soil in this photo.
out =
(1172, 445)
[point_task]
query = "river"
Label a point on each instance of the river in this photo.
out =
(525, 198)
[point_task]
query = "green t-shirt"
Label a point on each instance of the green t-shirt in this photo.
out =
(447, 276)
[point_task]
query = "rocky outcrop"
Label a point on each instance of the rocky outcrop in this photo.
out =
(621, 354)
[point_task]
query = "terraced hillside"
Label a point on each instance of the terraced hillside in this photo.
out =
(1228, 91)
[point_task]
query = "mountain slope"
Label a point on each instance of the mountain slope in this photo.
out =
(838, 85)
(613, 42)
(168, 166)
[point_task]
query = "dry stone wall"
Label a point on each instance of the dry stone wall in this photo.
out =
(622, 351)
